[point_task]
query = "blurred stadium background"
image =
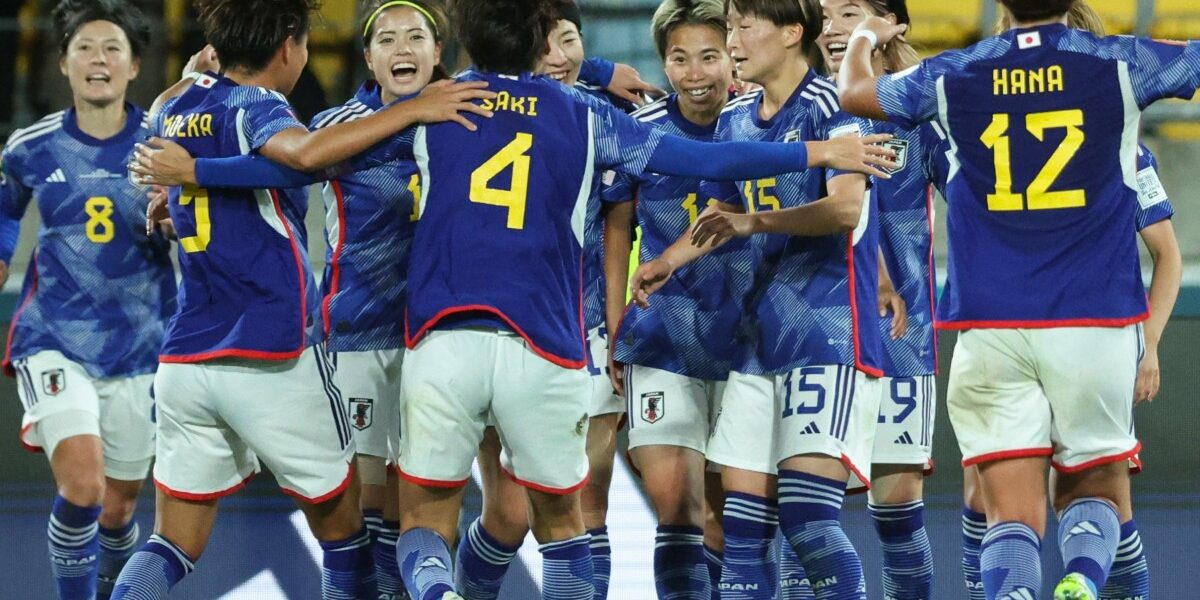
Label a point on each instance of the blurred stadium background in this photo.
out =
(261, 549)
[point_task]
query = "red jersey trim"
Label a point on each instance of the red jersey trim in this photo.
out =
(206, 496)
(411, 341)
(857, 473)
(231, 353)
(341, 487)
(1042, 324)
(299, 264)
(433, 483)
(12, 327)
(1006, 455)
(854, 334)
(1103, 460)
(546, 489)
(335, 263)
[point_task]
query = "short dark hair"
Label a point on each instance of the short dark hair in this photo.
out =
(1036, 10)
(505, 36)
(70, 15)
(247, 33)
(806, 13)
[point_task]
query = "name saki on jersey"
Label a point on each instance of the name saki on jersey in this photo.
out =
(522, 105)
(188, 126)
(1012, 82)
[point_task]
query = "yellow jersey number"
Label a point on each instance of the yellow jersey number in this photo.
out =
(995, 138)
(414, 188)
(693, 209)
(515, 154)
(198, 198)
(99, 227)
(765, 200)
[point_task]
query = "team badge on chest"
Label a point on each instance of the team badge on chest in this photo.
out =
(900, 147)
(652, 407)
(360, 412)
(53, 381)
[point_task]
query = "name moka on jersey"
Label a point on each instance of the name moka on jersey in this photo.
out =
(188, 126)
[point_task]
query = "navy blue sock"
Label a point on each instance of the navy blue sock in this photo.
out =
(116, 546)
(1088, 534)
(974, 526)
(907, 556)
(482, 563)
(751, 569)
(567, 570)
(425, 564)
(347, 571)
(1011, 562)
(74, 547)
(1129, 578)
(152, 571)
(387, 572)
(680, 572)
(714, 559)
(601, 561)
(793, 582)
(809, 507)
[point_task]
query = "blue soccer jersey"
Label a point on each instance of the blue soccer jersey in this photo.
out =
(691, 325)
(98, 289)
(1154, 205)
(906, 211)
(370, 219)
(1043, 126)
(814, 299)
(503, 211)
(247, 288)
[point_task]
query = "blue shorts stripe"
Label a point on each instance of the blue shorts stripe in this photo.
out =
(334, 395)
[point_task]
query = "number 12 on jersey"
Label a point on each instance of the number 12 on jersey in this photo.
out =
(996, 138)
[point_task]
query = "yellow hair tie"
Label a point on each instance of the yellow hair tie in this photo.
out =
(394, 3)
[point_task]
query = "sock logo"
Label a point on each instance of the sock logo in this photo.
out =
(69, 562)
(432, 562)
(791, 582)
(1084, 528)
(1023, 593)
(823, 583)
(739, 587)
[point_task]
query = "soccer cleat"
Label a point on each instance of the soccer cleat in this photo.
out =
(1075, 587)
(451, 596)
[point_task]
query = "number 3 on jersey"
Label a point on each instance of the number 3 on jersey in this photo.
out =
(515, 154)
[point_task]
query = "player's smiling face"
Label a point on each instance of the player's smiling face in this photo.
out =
(758, 46)
(403, 52)
(565, 56)
(698, 67)
(99, 63)
(840, 17)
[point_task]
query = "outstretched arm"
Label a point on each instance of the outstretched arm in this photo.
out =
(857, 80)
(736, 161)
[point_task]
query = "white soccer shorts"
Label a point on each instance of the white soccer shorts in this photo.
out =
(454, 379)
(370, 385)
(217, 419)
(669, 409)
(59, 391)
(1062, 392)
(602, 400)
(743, 434)
(904, 431)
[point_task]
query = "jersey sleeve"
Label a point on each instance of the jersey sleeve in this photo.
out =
(909, 97)
(14, 199)
(842, 124)
(721, 191)
(622, 143)
(1153, 204)
(264, 117)
(617, 188)
(1160, 70)
(598, 71)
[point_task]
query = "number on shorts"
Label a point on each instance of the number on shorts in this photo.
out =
(815, 391)
(904, 393)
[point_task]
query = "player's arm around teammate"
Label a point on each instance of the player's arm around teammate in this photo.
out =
(81, 345)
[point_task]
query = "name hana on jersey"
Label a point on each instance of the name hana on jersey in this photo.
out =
(522, 105)
(188, 126)
(1013, 82)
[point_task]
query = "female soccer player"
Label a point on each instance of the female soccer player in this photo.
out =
(84, 341)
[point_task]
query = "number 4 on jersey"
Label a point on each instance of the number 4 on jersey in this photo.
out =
(513, 198)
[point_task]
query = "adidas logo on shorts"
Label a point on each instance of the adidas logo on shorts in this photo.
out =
(811, 429)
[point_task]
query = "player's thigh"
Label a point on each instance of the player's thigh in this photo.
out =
(674, 477)
(198, 456)
(127, 426)
(904, 430)
(445, 396)
(542, 419)
(667, 409)
(59, 398)
(995, 399)
(370, 385)
(827, 412)
(743, 431)
(292, 415)
(1089, 374)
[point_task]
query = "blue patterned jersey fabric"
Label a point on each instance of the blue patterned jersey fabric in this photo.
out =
(370, 219)
(503, 210)
(906, 210)
(98, 289)
(247, 289)
(1154, 205)
(813, 299)
(691, 325)
(1042, 181)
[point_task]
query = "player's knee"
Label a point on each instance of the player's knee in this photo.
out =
(1108, 482)
(82, 488)
(897, 484)
(119, 505)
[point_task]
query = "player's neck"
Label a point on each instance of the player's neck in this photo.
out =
(779, 88)
(262, 78)
(100, 121)
(1059, 20)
